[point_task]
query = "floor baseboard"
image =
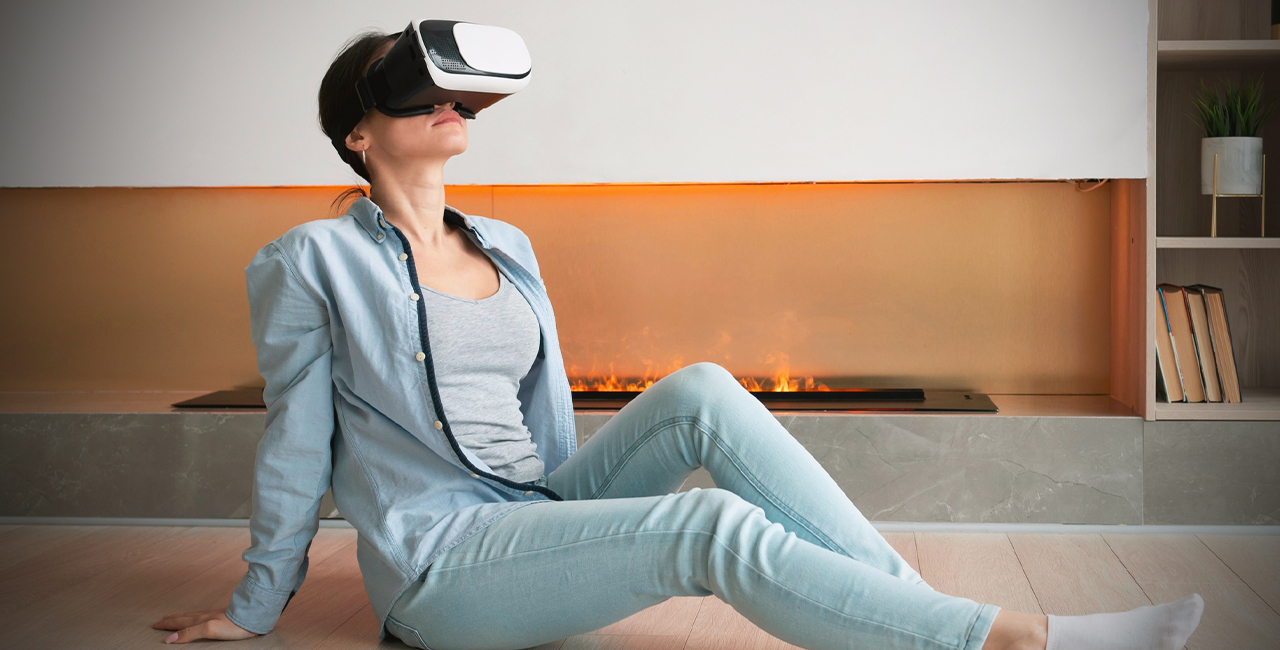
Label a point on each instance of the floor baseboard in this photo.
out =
(882, 526)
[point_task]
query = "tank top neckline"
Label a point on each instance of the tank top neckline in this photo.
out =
(502, 283)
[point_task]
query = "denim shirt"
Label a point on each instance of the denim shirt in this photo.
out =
(352, 401)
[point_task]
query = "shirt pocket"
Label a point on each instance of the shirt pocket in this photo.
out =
(407, 634)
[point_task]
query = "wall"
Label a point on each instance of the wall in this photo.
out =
(994, 287)
(160, 93)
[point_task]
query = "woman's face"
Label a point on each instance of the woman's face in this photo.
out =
(432, 136)
(438, 135)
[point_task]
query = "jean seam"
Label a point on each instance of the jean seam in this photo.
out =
(770, 496)
(416, 633)
(463, 537)
(751, 478)
(751, 566)
(968, 636)
(715, 538)
(443, 569)
(631, 451)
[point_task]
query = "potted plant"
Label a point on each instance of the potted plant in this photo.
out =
(1232, 122)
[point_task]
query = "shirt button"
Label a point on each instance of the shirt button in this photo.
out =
(439, 425)
(404, 256)
(382, 222)
(380, 236)
(413, 296)
(527, 493)
(419, 356)
(474, 475)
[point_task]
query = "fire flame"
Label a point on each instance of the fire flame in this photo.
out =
(781, 381)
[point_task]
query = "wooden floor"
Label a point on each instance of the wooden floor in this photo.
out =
(101, 587)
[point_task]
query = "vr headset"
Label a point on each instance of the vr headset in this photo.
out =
(438, 61)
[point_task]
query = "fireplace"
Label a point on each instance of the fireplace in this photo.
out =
(784, 393)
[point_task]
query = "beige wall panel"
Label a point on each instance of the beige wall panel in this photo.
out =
(995, 287)
(998, 287)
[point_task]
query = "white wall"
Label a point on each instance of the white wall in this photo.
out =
(209, 93)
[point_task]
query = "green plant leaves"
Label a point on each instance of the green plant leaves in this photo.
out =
(1237, 112)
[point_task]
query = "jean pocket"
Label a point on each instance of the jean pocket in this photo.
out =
(407, 634)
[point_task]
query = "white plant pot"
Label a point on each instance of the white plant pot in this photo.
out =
(1239, 165)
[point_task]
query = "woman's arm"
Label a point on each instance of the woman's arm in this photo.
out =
(289, 324)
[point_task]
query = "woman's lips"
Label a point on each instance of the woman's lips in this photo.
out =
(449, 116)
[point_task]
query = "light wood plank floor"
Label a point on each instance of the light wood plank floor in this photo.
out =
(101, 587)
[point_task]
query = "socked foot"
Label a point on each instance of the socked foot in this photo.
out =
(1166, 626)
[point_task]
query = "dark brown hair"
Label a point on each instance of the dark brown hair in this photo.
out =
(339, 107)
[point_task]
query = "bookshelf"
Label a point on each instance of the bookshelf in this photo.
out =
(1209, 54)
(1191, 41)
(1218, 242)
(1258, 404)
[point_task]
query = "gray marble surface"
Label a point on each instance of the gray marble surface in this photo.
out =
(928, 468)
(1204, 472)
(973, 469)
(128, 464)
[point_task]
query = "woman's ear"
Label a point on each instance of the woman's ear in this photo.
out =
(355, 141)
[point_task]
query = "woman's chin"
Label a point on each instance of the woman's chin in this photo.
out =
(452, 145)
(458, 147)
(438, 150)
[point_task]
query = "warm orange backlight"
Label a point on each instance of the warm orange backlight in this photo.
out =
(780, 382)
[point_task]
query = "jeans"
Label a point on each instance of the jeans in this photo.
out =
(776, 539)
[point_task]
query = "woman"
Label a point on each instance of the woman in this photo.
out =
(411, 360)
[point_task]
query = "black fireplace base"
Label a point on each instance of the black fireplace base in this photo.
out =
(841, 400)
(847, 400)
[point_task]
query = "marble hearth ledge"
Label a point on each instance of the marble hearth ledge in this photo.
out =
(1042, 459)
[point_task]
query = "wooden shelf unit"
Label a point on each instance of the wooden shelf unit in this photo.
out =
(1257, 404)
(1201, 54)
(1217, 242)
(1189, 42)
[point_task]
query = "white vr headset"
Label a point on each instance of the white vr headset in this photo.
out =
(438, 61)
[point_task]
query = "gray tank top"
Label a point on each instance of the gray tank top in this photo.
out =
(481, 350)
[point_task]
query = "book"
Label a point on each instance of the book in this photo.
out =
(1169, 380)
(1188, 362)
(1220, 337)
(1204, 345)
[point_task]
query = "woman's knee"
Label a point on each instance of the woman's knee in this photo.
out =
(708, 391)
(703, 381)
(708, 373)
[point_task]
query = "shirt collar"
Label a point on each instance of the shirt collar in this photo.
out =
(369, 216)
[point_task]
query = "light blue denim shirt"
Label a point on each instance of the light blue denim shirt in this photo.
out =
(352, 402)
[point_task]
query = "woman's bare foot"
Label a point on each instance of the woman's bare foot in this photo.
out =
(1017, 631)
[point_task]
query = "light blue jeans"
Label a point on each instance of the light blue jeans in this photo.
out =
(776, 539)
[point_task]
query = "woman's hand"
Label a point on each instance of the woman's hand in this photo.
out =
(209, 624)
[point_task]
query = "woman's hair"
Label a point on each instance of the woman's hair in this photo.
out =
(339, 109)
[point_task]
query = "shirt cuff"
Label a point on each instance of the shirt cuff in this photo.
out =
(256, 608)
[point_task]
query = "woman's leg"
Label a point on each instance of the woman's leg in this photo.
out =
(559, 568)
(701, 416)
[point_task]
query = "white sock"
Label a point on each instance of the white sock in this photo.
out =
(1152, 627)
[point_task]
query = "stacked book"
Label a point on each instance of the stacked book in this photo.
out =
(1194, 361)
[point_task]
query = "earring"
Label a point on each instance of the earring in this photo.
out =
(364, 160)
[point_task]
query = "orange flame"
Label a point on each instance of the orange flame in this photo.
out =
(781, 381)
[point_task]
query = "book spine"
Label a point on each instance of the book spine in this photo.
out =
(1176, 375)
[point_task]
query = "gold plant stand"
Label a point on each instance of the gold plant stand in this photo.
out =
(1213, 228)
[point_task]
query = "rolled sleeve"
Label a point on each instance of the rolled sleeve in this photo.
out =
(289, 324)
